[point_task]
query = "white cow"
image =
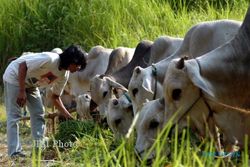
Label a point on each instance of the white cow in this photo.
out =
(162, 47)
(82, 106)
(153, 118)
(120, 115)
(102, 86)
(148, 126)
(201, 38)
(97, 62)
(119, 58)
(221, 79)
(102, 89)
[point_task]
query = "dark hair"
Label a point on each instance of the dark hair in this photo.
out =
(74, 54)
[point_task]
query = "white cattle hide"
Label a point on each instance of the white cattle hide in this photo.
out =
(221, 77)
(148, 126)
(82, 107)
(200, 39)
(163, 47)
(102, 86)
(119, 58)
(97, 62)
(120, 115)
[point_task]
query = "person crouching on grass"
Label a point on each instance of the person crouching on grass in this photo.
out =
(22, 78)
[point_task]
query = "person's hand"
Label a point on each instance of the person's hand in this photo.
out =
(68, 116)
(21, 98)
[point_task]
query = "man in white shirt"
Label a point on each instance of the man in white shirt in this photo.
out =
(22, 78)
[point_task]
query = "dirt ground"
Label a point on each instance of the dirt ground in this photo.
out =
(5, 161)
(26, 141)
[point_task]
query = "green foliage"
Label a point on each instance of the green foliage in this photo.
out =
(73, 129)
(181, 149)
(179, 5)
(38, 25)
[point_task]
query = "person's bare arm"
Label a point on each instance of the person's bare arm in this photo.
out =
(60, 106)
(22, 72)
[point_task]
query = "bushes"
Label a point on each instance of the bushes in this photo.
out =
(70, 130)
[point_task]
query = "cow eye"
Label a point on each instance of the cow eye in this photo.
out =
(134, 91)
(176, 94)
(118, 121)
(115, 102)
(104, 93)
(153, 124)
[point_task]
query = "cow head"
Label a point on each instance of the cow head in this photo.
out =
(120, 115)
(142, 87)
(183, 97)
(101, 88)
(82, 106)
(149, 124)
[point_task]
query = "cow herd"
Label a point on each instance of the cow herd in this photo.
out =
(204, 76)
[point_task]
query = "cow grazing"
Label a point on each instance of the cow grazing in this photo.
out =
(148, 126)
(102, 86)
(162, 46)
(82, 107)
(152, 120)
(98, 60)
(221, 79)
(201, 38)
(120, 115)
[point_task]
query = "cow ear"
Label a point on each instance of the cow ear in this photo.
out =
(197, 79)
(137, 70)
(146, 84)
(180, 64)
(115, 84)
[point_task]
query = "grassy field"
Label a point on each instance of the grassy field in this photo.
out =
(36, 25)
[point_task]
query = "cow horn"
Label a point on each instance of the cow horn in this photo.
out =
(180, 63)
(137, 70)
(116, 85)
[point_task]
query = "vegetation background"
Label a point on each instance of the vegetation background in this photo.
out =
(41, 25)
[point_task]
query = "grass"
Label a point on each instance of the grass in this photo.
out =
(36, 25)
(102, 149)
(97, 146)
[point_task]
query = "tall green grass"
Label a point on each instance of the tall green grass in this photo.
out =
(101, 149)
(38, 25)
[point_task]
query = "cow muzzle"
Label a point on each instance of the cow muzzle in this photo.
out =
(139, 157)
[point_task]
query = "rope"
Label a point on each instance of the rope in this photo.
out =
(127, 97)
(154, 72)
